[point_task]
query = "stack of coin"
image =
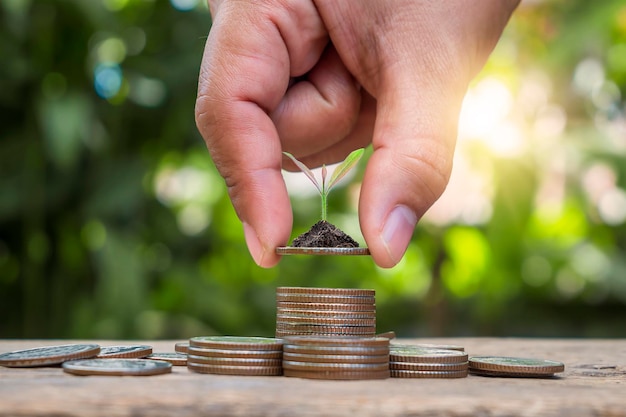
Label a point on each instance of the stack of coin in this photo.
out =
(232, 355)
(410, 361)
(325, 312)
(336, 357)
(504, 366)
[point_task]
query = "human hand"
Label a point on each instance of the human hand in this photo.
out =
(392, 73)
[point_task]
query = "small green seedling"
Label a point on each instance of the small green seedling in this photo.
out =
(338, 174)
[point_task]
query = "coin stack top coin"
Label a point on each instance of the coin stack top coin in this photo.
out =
(325, 312)
(233, 355)
(506, 366)
(336, 357)
(411, 361)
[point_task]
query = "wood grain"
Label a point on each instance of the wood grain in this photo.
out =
(594, 383)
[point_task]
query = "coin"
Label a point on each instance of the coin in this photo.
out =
(176, 359)
(416, 354)
(337, 341)
(237, 342)
(117, 367)
(326, 306)
(232, 353)
(408, 366)
(324, 298)
(387, 335)
(294, 250)
(428, 374)
(328, 291)
(48, 355)
(495, 374)
(437, 346)
(506, 364)
(321, 358)
(181, 347)
(324, 366)
(294, 320)
(337, 350)
(131, 351)
(234, 361)
(235, 370)
(347, 332)
(324, 314)
(337, 375)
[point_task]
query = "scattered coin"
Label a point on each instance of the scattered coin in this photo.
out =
(236, 342)
(294, 250)
(176, 359)
(514, 367)
(181, 347)
(479, 372)
(117, 367)
(235, 370)
(128, 352)
(48, 355)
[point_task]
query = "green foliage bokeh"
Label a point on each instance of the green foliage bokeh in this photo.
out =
(114, 223)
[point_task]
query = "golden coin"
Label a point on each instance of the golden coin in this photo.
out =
(324, 299)
(308, 357)
(428, 374)
(234, 361)
(294, 250)
(508, 364)
(337, 307)
(337, 350)
(176, 359)
(235, 370)
(237, 342)
(416, 354)
(337, 375)
(117, 367)
(328, 291)
(181, 347)
(408, 366)
(128, 352)
(48, 355)
(233, 353)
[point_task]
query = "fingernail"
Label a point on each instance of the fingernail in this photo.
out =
(254, 244)
(398, 230)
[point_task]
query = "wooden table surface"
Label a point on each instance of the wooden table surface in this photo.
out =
(594, 383)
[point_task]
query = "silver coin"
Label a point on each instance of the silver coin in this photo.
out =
(48, 355)
(130, 351)
(292, 250)
(117, 367)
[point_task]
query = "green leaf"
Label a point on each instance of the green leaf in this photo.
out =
(306, 171)
(345, 167)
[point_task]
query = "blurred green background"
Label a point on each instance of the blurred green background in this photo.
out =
(115, 224)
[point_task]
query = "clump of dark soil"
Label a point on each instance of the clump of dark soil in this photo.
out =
(324, 235)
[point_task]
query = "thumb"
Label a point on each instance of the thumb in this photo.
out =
(413, 143)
